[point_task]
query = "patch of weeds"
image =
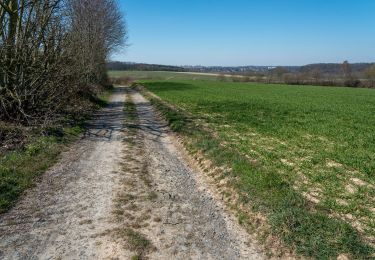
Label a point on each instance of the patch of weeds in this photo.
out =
(133, 206)
(242, 218)
(130, 110)
(118, 212)
(157, 219)
(146, 180)
(136, 257)
(129, 216)
(85, 222)
(152, 195)
(144, 174)
(136, 241)
(136, 225)
(125, 198)
(144, 217)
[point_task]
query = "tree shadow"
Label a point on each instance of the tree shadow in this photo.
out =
(107, 122)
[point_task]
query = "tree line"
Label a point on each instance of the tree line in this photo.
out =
(315, 74)
(118, 65)
(53, 54)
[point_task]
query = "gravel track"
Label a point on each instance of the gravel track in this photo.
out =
(193, 224)
(69, 214)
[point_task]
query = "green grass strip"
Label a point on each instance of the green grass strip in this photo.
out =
(20, 169)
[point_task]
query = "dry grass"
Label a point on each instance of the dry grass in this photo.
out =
(132, 204)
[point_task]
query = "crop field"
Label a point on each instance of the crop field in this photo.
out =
(160, 75)
(304, 156)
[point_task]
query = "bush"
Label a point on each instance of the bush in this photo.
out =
(353, 83)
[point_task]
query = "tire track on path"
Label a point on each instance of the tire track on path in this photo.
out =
(193, 224)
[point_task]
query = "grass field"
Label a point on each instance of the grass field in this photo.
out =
(160, 75)
(304, 156)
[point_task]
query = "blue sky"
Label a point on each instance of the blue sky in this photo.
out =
(248, 32)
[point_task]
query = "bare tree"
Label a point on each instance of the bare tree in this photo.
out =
(316, 75)
(347, 70)
(349, 79)
(370, 75)
(50, 50)
(30, 51)
(92, 40)
(279, 72)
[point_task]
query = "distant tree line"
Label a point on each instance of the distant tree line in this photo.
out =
(325, 68)
(118, 65)
(53, 54)
(345, 74)
(325, 74)
(341, 75)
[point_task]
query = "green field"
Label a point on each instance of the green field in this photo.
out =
(304, 156)
(160, 75)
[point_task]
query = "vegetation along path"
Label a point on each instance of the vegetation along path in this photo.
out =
(122, 191)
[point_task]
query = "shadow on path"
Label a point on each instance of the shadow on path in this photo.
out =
(108, 121)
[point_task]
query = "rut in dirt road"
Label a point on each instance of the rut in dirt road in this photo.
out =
(123, 190)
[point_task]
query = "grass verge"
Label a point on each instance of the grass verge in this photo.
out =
(307, 229)
(20, 168)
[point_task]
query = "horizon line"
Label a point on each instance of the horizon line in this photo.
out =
(223, 66)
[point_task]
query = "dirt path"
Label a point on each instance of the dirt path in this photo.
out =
(67, 213)
(121, 191)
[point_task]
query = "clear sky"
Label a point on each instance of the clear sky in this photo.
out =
(249, 32)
